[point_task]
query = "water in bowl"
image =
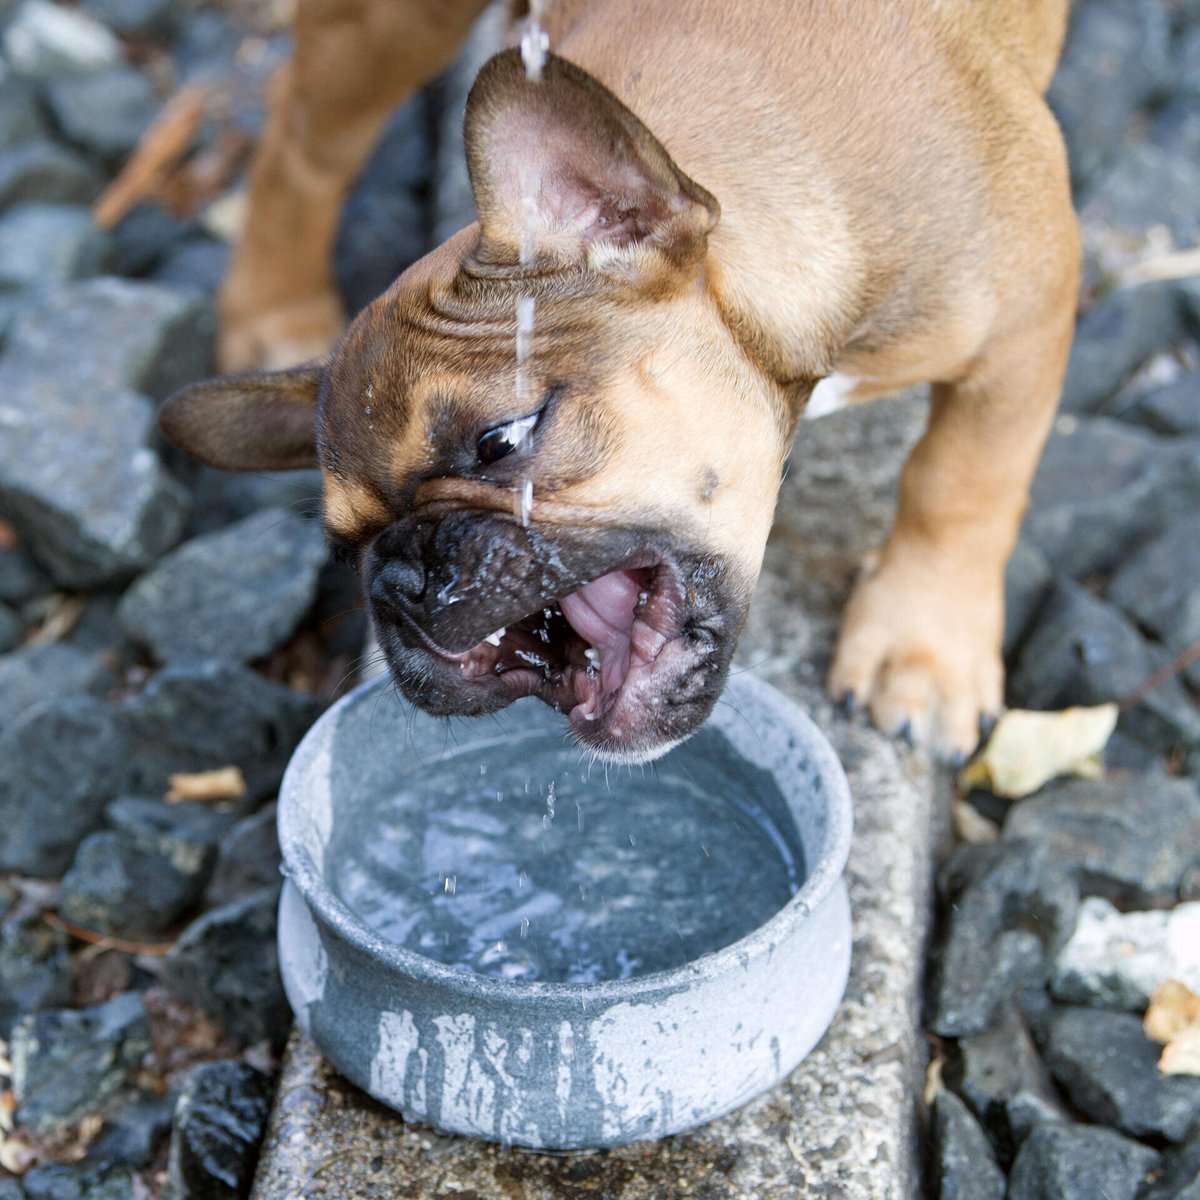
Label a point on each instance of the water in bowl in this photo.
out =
(512, 858)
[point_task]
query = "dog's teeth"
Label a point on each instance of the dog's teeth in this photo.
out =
(643, 597)
(493, 639)
(593, 657)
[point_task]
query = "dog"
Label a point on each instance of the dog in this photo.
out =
(708, 210)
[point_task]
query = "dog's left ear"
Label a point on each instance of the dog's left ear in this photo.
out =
(564, 163)
(256, 421)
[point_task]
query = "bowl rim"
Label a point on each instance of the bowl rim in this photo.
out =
(330, 910)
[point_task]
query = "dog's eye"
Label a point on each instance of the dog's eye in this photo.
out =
(504, 439)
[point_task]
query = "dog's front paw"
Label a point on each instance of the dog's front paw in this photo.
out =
(279, 337)
(920, 650)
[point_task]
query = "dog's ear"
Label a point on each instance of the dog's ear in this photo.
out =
(562, 163)
(256, 421)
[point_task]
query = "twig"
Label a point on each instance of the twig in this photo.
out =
(1180, 663)
(107, 941)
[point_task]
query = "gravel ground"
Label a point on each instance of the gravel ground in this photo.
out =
(146, 630)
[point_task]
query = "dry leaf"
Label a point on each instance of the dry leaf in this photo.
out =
(971, 826)
(1174, 1019)
(1181, 1055)
(1027, 749)
(225, 783)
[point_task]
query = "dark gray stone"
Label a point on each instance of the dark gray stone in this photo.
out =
(33, 675)
(1102, 488)
(1026, 585)
(1180, 1173)
(1157, 587)
(964, 1168)
(201, 716)
(156, 19)
(12, 628)
(1079, 1162)
(38, 169)
(248, 859)
(1083, 651)
(1113, 338)
(44, 39)
(1169, 408)
(47, 244)
(59, 765)
(1129, 840)
(35, 971)
(103, 112)
(143, 237)
(207, 43)
(235, 594)
(10, 1189)
(186, 834)
(1000, 1076)
(134, 1133)
(198, 264)
(123, 334)
(1116, 57)
(78, 477)
(116, 886)
(1146, 187)
(385, 224)
(57, 1181)
(223, 497)
(1007, 910)
(227, 963)
(1109, 1069)
(20, 112)
(1176, 127)
(69, 1062)
(220, 1120)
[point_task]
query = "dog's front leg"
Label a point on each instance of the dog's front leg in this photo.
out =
(920, 646)
(354, 61)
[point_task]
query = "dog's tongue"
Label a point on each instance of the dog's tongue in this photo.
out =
(601, 612)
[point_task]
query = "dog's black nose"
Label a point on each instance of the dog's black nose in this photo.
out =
(398, 583)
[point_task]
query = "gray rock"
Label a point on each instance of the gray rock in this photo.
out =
(1146, 187)
(10, 1189)
(12, 629)
(223, 497)
(21, 577)
(133, 1134)
(59, 765)
(220, 1120)
(201, 716)
(385, 224)
(1103, 487)
(57, 1181)
(69, 1062)
(198, 264)
(44, 39)
(38, 169)
(104, 112)
(35, 971)
(78, 477)
(1180, 1173)
(1172, 408)
(1130, 841)
(33, 675)
(20, 113)
(116, 886)
(1109, 1069)
(1113, 338)
(247, 859)
(137, 18)
(237, 594)
(187, 835)
(1000, 1076)
(227, 963)
(964, 1168)
(1084, 651)
(1079, 1163)
(1176, 127)
(1116, 57)
(1116, 959)
(143, 237)
(990, 945)
(47, 244)
(1026, 585)
(123, 334)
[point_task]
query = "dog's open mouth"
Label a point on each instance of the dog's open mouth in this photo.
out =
(584, 650)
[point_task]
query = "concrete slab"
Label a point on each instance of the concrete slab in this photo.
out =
(843, 1126)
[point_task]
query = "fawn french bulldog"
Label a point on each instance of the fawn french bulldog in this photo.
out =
(709, 209)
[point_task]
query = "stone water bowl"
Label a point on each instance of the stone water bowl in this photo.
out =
(498, 938)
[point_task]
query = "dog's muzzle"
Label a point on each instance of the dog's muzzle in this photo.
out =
(627, 635)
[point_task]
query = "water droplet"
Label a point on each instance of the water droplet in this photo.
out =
(449, 884)
(524, 926)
